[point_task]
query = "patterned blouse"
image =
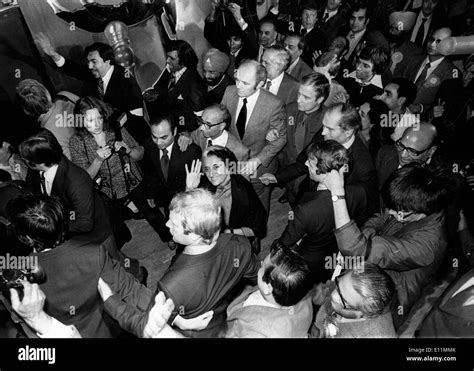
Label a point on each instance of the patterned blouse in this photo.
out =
(112, 173)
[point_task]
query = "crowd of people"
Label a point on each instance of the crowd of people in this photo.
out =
(349, 106)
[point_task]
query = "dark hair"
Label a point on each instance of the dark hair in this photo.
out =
(376, 288)
(169, 118)
(42, 148)
(223, 153)
(88, 103)
(377, 55)
(405, 89)
(416, 189)
(186, 54)
(269, 21)
(350, 118)
(308, 4)
(105, 51)
(301, 40)
(39, 217)
(330, 155)
(319, 83)
(289, 276)
(361, 4)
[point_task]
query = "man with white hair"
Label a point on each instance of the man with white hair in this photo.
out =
(276, 60)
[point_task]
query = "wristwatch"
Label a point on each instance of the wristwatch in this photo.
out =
(334, 198)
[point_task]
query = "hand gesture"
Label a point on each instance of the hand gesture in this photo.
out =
(193, 176)
(268, 179)
(44, 43)
(104, 289)
(316, 55)
(122, 144)
(272, 135)
(150, 95)
(104, 153)
(235, 10)
(184, 141)
(31, 306)
(438, 110)
(334, 181)
(250, 166)
(197, 323)
(158, 316)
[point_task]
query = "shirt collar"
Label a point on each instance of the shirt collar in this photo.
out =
(169, 149)
(292, 66)
(177, 75)
(277, 80)
(252, 99)
(349, 143)
(107, 76)
(221, 140)
(434, 64)
(376, 80)
(330, 14)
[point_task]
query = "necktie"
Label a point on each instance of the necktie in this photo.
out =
(242, 119)
(101, 89)
(421, 79)
(165, 160)
(43, 183)
(209, 143)
(352, 35)
(325, 17)
(300, 131)
(172, 82)
(269, 85)
(303, 32)
(421, 33)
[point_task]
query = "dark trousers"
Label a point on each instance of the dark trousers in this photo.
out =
(153, 215)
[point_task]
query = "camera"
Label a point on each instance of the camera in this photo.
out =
(11, 278)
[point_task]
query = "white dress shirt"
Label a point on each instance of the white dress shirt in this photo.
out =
(349, 143)
(275, 83)
(251, 102)
(417, 26)
(376, 80)
(49, 176)
(169, 149)
(221, 140)
(330, 14)
(433, 66)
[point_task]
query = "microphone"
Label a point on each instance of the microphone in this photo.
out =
(456, 45)
(116, 33)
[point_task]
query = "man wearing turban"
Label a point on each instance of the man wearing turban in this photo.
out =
(215, 64)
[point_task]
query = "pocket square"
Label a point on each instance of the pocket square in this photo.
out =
(181, 97)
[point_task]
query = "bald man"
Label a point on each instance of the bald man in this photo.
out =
(428, 72)
(417, 144)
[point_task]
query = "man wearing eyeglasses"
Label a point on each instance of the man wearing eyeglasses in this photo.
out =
(429, 72)
(212, 132)
(355, 305)
(408, 240)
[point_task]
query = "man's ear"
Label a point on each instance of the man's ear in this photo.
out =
(320, 100)
(267, 288)
(260, 85)
(175, 131)
(402, 101)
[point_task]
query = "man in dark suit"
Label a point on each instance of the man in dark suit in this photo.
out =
(428, 72)
(254, 113)
(214, 65)
(402, 50)
(342, 123)
(276, 60)
(359, 34)
(429, 17)
(72, 268)
(330, 21)
(304, 121)
(53, 174)
(181, 91)
(295, 44)
(112, 83)
(167, 176)
(213, 132)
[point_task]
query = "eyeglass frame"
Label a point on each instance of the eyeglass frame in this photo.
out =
(411, 151)
(202, 122)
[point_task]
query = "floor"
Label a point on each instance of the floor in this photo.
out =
(155, 256)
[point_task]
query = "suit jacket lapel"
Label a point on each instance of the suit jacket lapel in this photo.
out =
(58, 182)
(174, 161)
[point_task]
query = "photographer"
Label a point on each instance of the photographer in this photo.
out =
(109, 155)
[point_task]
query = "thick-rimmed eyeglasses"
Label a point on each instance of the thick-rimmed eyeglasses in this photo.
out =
(206, 124)
(411, 151)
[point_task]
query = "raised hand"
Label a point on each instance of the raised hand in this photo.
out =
(184, 141)
(44, 43)
(268, 179)
(193, 175)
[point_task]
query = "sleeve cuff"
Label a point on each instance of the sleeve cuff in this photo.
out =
(59, 330)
